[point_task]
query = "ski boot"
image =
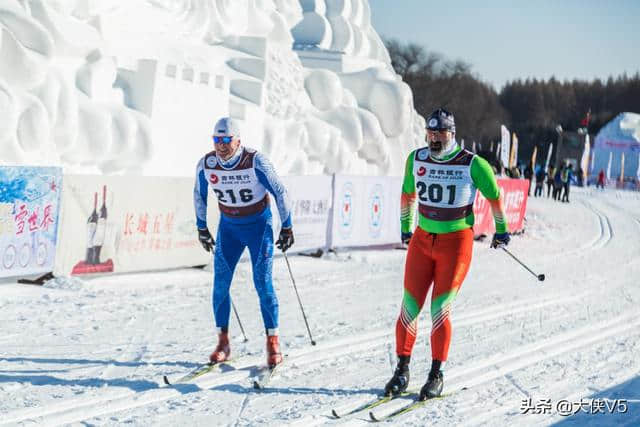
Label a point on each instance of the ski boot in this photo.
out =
(400, 380)
(274, 356)
(222, 351)
(433, 387)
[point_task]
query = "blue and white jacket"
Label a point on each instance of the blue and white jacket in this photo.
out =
(241, 185)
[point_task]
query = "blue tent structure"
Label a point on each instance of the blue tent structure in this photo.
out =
(620, 135)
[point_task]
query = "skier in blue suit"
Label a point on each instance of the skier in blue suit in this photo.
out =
(241, 179)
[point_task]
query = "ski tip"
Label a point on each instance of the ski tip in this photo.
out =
(335, 414)
(257, 385)
(166, 380)
(373, 417)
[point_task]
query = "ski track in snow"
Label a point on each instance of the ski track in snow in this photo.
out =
(95, 353)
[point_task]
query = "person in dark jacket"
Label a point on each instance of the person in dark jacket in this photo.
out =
(550, 176)
(540, 175)
(567, 177)
(528, 174)
(557, 183)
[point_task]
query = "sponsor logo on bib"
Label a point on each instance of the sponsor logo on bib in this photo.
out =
(212, 162)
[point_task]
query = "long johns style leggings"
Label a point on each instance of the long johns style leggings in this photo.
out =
(442, 260)
(232, 239)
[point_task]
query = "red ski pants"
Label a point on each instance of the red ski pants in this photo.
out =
(442, 260)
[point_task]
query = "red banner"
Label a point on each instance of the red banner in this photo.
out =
(514, 193)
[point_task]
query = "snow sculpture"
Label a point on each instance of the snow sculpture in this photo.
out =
(57, 94)
(130, 86)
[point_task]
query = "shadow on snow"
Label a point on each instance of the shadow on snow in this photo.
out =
(48, 380)
(96, 362)
(40, 377)
(629, 390)
(237, 388)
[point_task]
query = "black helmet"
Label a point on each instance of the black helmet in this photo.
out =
(441, 119)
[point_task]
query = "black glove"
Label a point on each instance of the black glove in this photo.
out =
(285, 240)
(205, 239)
(406, 237)
(500, 240)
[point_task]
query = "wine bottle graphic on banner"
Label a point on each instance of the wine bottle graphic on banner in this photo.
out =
(92, 224)
(101, 228)
(96, 238)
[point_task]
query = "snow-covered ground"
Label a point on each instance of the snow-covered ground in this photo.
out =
(93, 351)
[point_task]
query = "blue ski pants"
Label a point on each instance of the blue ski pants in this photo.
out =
(235, 234)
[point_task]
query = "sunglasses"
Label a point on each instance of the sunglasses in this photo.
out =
(440, 131)
(222, 139)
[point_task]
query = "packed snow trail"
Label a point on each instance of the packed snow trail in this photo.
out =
(95, 350)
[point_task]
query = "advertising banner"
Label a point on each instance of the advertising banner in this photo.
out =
(514, 193)
(534, 155)
(29, 206)
(366, 211)
(546, 163)
(311, 199)
(513, 158)
(584, 161)
(125, 224)
(505, 145)
(622, 145)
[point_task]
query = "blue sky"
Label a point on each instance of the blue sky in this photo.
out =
(504, 40)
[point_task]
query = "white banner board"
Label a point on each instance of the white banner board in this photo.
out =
(505, 145)
(311, 200)
(29, 206)
(128, 223)
(366, 211)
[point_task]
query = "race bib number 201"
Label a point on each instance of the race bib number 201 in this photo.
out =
(435, 193)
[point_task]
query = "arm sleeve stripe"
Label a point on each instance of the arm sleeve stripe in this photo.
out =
(200, 191)
(269, 178)
(499, 217)
(408, 196)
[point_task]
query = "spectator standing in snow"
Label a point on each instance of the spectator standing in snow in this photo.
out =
(528, 174)
(557, 183)
(600, 182)
(567, 177)
(540, 175)
(550, 177)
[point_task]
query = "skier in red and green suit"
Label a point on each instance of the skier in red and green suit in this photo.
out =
(444, 178)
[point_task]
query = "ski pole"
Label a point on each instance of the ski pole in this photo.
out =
(298, 295)
(239, 322)
(539, 276)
